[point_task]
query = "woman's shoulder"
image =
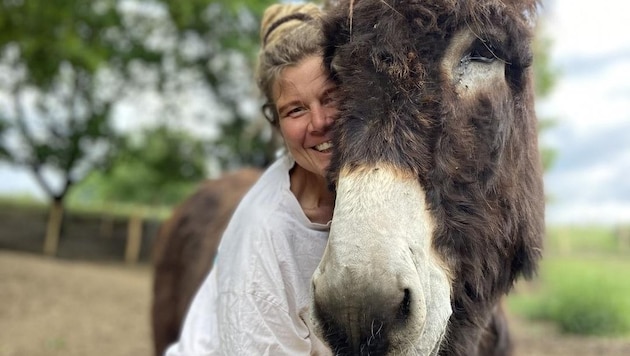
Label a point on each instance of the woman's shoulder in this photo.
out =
(268, 191)
(267, 203)
(277, 174)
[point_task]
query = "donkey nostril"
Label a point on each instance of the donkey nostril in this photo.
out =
(404, 308)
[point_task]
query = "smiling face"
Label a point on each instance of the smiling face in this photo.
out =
(304, 97)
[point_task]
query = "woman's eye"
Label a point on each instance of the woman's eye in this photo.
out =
(295, 112)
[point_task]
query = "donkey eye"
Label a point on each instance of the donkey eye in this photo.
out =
(482, 52)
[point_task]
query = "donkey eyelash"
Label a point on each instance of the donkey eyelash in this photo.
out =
(484, 51)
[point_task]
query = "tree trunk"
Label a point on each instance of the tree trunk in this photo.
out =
(53, 228)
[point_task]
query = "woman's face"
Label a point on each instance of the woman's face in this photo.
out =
(305, 100)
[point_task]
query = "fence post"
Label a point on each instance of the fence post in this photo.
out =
(134, 238)
(53, 229)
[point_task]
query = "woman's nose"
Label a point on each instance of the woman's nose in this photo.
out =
(321, 118)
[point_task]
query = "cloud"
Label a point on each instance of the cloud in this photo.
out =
(593, 64)
(602, 145)
(609, 213)
(581, 29)
(591, 100)
(591, 107)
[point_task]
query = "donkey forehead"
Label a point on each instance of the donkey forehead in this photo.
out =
(431, 14)
(388, 31)
(401, 64)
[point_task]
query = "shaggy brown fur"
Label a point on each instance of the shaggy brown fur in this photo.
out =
(185, 248)
(477, 160)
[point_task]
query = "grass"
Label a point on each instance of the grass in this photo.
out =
(581, 240)
(583, 285)
(582, 296)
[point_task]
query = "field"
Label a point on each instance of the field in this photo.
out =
(77, 307)
(581, 287)
(57, 307)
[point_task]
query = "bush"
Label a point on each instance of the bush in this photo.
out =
(584, 240)
(587, 297)
(590, 305)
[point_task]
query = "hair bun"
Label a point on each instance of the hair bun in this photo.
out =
(279, 18)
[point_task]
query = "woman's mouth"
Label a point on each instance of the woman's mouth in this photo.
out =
(324, 147)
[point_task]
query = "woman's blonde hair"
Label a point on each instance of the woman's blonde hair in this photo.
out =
(288, 34)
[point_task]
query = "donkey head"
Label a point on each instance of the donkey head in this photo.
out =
(436, 167)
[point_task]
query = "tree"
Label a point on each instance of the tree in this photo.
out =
(225, 36)
(67, 64)
(59, 100)
(157, 167)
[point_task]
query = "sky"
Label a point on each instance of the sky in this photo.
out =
(589, 182)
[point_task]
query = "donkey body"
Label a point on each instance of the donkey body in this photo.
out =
(185, 248)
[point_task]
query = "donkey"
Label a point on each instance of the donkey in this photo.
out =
(185, 247)
(439, 194)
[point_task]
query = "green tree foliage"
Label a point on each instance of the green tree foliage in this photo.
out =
(546, 77)
(158, 167)
(69, 62)
(58, 103)
(4, 153)
(211, 45)
(216, 46)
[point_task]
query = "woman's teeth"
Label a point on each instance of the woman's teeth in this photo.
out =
(324, 146)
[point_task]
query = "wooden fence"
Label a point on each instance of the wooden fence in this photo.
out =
(85, 236)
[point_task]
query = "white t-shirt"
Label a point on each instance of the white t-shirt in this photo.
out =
(255, 301)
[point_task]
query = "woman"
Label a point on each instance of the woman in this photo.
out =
(255, 300)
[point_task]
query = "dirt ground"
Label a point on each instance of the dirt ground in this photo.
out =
(57, 307)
